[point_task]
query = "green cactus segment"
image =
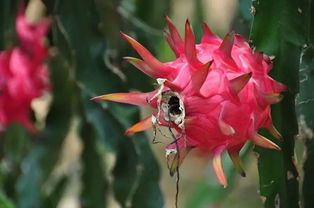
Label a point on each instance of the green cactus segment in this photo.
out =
(93, 45)
(279, 29)
(305, 106)
(8, 10)
(45, 153)
(95, 187)
(5, 202)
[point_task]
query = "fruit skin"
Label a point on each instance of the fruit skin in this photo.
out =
(224, 88)
(23, 74)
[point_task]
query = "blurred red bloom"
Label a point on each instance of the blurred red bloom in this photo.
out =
(23, 73)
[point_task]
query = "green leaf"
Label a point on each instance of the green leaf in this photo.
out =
(279, 29)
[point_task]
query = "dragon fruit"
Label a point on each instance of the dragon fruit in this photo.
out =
(215, 95)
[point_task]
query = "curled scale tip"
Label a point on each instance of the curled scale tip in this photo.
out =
(173, 31)
(227, 44)
(190, 50)
(238, 83)
(264, 142)
(145, 68)
(234, 154)
(134, 98)
(173, 37)
(199, 76)
(225, 128)
(172, 86)
(272, 98)
(217, 166)
(131, 60)
(208, 35)
(143, 125)
(174, 160)
(272, 129)
(149, 59)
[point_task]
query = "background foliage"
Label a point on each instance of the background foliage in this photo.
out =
(85, 61)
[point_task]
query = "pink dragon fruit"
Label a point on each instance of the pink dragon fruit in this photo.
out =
(216, 95)
(23, 74)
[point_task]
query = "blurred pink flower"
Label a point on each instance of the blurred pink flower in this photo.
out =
(23, 73)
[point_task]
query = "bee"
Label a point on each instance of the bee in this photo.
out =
(173, 107)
